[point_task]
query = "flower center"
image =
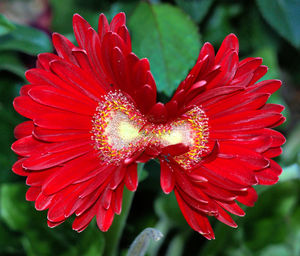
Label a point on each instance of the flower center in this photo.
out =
(120, 131)
(116, 128)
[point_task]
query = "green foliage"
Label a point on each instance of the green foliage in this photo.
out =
(32, 233)
(5, 25)
(25, 39)
(163, 34)
(284, 17)
(63, 13)
(292, 148)
(220, 23)
(11, 62)
(195, 8)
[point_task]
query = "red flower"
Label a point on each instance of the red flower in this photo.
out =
(79, 150)
(94, 116)
(228, 124)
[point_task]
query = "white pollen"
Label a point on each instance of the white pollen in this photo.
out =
(121, 131)
(178, 134)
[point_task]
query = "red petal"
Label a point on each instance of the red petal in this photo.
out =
(76, 77)
(65, 120)
(225, 218)
(27, 145)
(56, 135)
(56, 98)
(18, 168)
(118, 199)
(197, 221)
(230, 43)
(23, 129)
(80, 27)
(117, 177)
(232, 207)
(43, 202)
(70, 173)
(84, 219)
(158, 113)
(32, 193)
(104, 218)
(103, 26)
(249, 198)
(167, 180)
(63, 47)
(118, 21)
(44, 161)
(131, 177)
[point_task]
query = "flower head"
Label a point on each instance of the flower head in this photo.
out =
(232, 147)
(79, 148)
(93, 116)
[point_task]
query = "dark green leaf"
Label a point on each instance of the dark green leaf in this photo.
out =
(176, 246)
(170, 40)
(126, 7)
(13, 209)
(26, 39)
(166, 207)
(9, 61)
(89, 243)
(284, 17)
(276, 250)
(63, 13)
(292, 147)
(219, 24)
(197, 9)
(290, 172)
(5, 25)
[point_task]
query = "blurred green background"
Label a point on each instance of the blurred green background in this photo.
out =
(170, 34)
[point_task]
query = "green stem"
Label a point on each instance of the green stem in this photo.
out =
(114, 234)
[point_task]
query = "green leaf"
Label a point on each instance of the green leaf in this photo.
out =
(9, 61)
(170, 216)
(166, 207)
(284, 17)
(276, 250)
(195, 8)
(169, 38)
(5, 25)
(26, 39)
(89, 243)
(13, 210)
(38, 239)
(126, 7)
(176, 246)
(219, 24)
(292, 146)
(63, 13)
(290, 172)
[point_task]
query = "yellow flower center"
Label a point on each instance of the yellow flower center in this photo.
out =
(120, 130)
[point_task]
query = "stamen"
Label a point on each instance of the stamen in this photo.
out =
(116, 128)
(120, 130)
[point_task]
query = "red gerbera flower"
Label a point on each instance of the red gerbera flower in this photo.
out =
(79, 150)
(227, 129)
(94, 117)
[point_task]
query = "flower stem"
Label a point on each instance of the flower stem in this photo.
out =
(114, 234)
